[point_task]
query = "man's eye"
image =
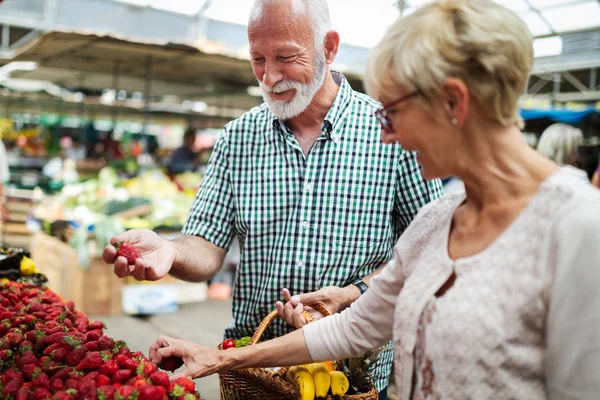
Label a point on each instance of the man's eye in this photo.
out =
(258, 59)
(287, 58)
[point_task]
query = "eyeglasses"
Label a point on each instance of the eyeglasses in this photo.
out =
(381, 114)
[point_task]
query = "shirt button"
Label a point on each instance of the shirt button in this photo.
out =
(300, 264)
(308, 187)
(304, 224)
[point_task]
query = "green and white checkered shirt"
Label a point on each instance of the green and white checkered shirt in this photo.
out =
(306, 221)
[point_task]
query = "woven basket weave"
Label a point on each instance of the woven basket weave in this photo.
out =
(264, 384)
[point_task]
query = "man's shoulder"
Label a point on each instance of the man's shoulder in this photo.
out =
(364, 100)
(258, 116)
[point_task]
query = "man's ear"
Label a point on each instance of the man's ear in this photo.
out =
(332, 45)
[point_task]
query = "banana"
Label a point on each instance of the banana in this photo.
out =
(322, 379)
(290, 375)
(339, 383)
(305, 385)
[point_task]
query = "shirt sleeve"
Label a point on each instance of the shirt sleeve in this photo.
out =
(573, 338)
(212, 215)
(412, 191)
(366, 325)
(4, 174)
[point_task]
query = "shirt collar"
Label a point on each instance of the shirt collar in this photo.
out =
(335, 116)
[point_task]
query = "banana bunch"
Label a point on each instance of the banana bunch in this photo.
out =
(313, 381)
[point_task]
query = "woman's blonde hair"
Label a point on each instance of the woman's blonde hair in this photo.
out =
(478, 41)
(560, 142)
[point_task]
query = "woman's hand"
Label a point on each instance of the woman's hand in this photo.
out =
(199, 361)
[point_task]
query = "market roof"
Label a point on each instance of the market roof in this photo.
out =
(94, 61)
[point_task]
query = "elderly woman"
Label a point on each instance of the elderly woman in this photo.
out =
(492, 293)
(559, 142)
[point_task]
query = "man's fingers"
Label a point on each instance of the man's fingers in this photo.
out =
(139, 272)
(161, 342)
(286, 294)
(299, 320)
(121, 268)
(109, 254)
(181, 374)
(280, 309)
(309, 298)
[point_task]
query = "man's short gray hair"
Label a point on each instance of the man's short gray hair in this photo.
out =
(559, 142)
(318, 15)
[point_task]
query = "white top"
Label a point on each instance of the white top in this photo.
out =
(522, 319)
(4, 175)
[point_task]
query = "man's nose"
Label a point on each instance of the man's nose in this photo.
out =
(273, 74)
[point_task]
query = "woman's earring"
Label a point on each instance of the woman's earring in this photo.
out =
(454, 121)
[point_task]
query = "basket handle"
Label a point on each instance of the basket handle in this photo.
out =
(320, 307)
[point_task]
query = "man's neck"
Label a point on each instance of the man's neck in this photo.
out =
(309, 122)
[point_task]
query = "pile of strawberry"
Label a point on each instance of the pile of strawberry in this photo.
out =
(50, 350)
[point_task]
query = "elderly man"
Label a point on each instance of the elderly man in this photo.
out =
(304, 181)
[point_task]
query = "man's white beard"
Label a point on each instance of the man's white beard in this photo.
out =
(285, 110)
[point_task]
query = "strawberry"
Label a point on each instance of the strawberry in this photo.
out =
(121, 359)
(41, 394)
(92, 346)
(51, 367)
(149, 368)
(122, 375)
(106, 392)
(171, 363)
(131, 364)
(187, 384)
(11, 375)
(76, 356)
(176, 390)
(160, 378)
(109, 368)
(92, 336)
(41, 381)
(103, 380)
(92, 361)
(138, 355)
(126, 391)
(30, 371)
(71, 383)
(11, 388)
(59, 354)
(6, 355)
(22, 393)
(106, 343)
(27, 358)
(30, 319)
(25, 345)
(128, 251)
(152, 393)
(56, 385)
(63, 374)
(15, 337)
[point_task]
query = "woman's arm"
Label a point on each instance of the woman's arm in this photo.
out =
(573, 324)
(200, 361)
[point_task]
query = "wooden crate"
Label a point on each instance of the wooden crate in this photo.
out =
(95, 290)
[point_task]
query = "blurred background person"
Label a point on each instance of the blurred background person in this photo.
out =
(185, 158)
(560, 143)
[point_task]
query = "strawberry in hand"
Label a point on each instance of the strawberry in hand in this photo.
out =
(128, 251)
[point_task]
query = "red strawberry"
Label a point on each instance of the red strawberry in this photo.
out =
(131, 364)
(152, 393)
(149, 368)
(122, 375)
(5, 355)
(11, 388)
(128, 251)
(92, 346)
(76, 356)
(41, 381)
(11, 375)
(56, 385)
(109, 368)
(25, 345)
(27, 358)
(22, 393)
(121, 359)
(41, 394)
(63, 374)
(160, 378)
(106, 392)
(187, 384)
(126, 391)
(92, 361)
(176, 390)
(15, 337)
(106, 343)
(30, 371)
(62, 395)
(51, 367)
(59, 354)
(92, 336)
(72, 383)
(171, 363)
(138, 355)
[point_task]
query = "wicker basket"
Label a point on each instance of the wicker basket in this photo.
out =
(264, 384)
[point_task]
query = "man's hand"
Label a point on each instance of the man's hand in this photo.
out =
(334, 298)
(199, 361)
(158, 255)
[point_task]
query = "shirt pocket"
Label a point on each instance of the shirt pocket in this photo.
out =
(361, 215)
